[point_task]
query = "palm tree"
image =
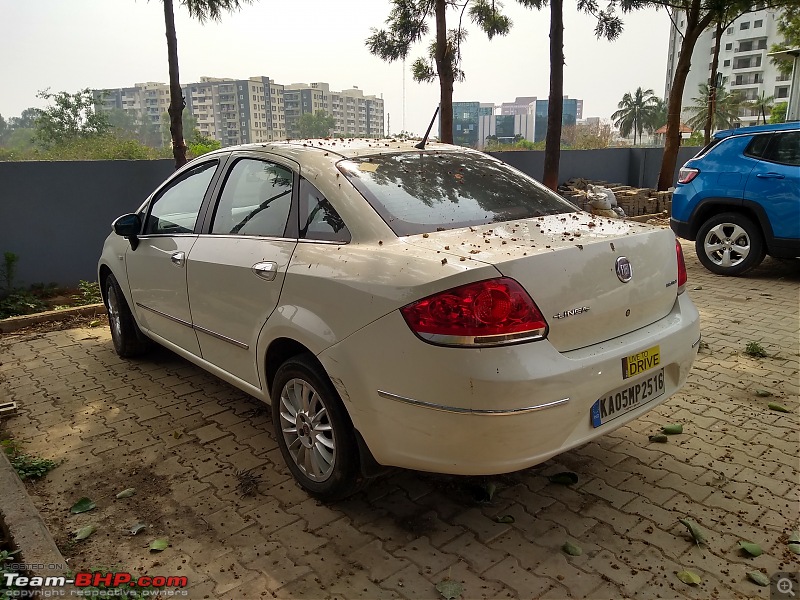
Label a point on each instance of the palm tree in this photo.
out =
(636, 113)
(726, 108)
(762, 103)
(202, 10)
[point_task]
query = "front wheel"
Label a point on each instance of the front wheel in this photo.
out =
(730, 244)
(314, 432)
(128, 340)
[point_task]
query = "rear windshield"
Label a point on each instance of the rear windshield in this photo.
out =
(421, 192)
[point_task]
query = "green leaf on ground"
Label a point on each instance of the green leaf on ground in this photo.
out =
(159, 545)
(449, 589)
(137, 528)
(85, 532)
(572, 549)
(658, 439)
(126, 493)
(689, 577)
(83, 505)
(695, 530)
(778, 407)
(504, 519)
(794, 542)
(673, 429)
(763, 393)
(490, 488)
(751, 548)
(565, 478)
(758, 578)
(94, 323)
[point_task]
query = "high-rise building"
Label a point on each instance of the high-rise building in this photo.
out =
(569, 115)
(241, 111)
(743, 62)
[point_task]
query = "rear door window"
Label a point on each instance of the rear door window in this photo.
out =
(784, 149)
(421, 192)
(757, 146)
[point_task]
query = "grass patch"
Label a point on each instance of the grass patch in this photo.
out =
(26, 466)
(755, 350)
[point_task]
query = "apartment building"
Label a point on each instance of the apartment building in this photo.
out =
(355, 114)
(743, 61)
(241, 111)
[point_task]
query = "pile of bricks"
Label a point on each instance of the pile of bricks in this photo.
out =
(634, 201)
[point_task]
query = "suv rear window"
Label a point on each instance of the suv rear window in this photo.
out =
(757, 146)
(421, 192)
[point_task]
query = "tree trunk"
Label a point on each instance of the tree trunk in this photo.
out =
(555, 105)
(444, 67)
(176, 102)
(694, 27)
(712, 85)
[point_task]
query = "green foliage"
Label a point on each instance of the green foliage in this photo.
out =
(755, 350)
(726, 111)
(128, 126)
(190, 131)
(696, 139)
(89, 293)
(318, 125)
(778, 112)
(26, 466)
(9, 270)
(637, 113)
(100, 147)
(789, 28)
(69, 117)
(761, 105)
(20, 302)
(203, 144)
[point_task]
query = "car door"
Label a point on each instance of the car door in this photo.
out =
(157, 267)
(237, 266)
(775, 184)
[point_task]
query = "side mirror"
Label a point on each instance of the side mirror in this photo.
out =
(129, 226)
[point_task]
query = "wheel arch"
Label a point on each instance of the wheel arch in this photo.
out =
(278, 352)
(752, 210)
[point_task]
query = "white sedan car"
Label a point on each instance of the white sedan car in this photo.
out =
(432, 309)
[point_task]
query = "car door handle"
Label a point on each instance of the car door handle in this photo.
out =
(769, 175)
(178, 258)
(266, 270)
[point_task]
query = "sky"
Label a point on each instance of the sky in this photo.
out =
(66, 46)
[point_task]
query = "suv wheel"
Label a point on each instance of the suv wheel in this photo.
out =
(729, 244)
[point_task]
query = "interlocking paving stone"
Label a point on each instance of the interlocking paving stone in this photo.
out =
(734, 470)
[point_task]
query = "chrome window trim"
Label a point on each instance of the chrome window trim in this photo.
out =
(470, 411)
(240, 236)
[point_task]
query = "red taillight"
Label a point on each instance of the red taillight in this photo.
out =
(487, 312)
(686, 174)
(682, 277)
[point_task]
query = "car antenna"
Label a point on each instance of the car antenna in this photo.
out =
(421, 145)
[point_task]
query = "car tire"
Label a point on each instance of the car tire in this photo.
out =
(730, 244)
(314, 431)
(128, 339)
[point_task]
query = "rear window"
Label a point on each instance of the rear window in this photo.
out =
(421, 192)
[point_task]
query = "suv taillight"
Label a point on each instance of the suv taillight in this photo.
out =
(682, 277)
(687, 174)
(494, 311)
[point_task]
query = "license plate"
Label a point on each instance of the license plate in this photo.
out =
(627, 398)
(638, 363)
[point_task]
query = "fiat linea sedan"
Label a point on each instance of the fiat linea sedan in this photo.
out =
(432, 309)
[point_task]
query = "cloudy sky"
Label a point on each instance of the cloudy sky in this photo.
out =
(114, 43)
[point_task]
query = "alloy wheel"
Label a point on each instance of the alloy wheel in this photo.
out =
(727, 244)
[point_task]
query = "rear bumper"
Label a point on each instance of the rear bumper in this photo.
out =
(494, 410)
(681, 228)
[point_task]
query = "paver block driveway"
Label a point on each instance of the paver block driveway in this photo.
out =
(184, 440)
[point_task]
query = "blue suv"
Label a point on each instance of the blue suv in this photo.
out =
(739, 198)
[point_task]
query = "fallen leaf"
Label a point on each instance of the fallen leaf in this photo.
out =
(126, 493)
(763, 393)
(449, 589)
(794, 538)
(565, 478)
(778, 407)
(689, 577)
(758, 578)
(572, 549)
(504, 519)
(658, 439)
(84, 532)
(83, 505)
(673, 429)
(751, 548)
(177, 434)
(137, 528)
(94, 323)
(490, 488)
(159, 545)
(695, 530)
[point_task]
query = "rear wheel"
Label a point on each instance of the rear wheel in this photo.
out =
(128, 340)
(314, 432)
(730, 244)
